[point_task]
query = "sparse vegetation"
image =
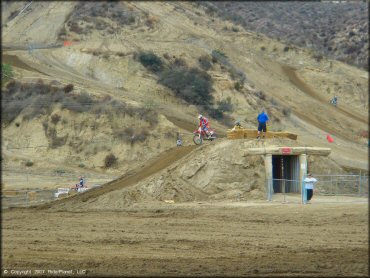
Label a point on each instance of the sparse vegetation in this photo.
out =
(261, 95)
(225, 105)
(110, 160)
(29, 163)
(337, 31)
(89, 16)
(36, 99)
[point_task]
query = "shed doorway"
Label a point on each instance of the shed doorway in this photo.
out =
(285, 173)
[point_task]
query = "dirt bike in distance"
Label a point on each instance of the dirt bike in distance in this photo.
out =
(200, 135)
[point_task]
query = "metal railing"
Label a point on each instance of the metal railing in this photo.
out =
(24, 198)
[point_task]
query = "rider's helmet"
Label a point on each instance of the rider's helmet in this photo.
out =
(200, 116)
(237, 123)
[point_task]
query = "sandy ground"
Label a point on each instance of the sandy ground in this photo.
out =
(198, 238)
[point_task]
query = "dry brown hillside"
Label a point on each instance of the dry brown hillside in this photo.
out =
(134, 75)
(335, 29)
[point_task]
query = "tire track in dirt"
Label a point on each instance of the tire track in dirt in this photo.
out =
(300, 84)
(153, 166)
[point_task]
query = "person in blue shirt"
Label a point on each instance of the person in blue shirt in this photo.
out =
(262, 120)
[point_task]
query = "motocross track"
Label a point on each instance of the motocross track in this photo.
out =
(291, 73)
(197, 239)
(155, 165)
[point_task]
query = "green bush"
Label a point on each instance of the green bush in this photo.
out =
(219, 57)
(29, 163)
(238, 86)
(150, 61)
(205, 62)
(6, 72)
(192, 85)
(235, 29)
(60, 171)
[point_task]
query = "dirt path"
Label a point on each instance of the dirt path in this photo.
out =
(153, 166)
(299, 83)
(235, 239)
(16, 62)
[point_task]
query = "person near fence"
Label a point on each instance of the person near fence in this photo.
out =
(309, 186)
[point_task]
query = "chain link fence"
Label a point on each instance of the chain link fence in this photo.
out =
(41, 188)
(329, 188)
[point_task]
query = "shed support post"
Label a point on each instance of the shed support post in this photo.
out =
(302, 175)
(268, 167)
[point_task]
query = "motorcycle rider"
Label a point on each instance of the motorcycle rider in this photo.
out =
(204, 124)
(334, 100)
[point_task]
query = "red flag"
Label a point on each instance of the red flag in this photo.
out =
(329, 138)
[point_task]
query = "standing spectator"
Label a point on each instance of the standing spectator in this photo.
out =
(262, 121)
(309, 184)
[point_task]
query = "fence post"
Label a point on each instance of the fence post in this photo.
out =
(331, 185)
(284, 190)
(304, 191)
(359, 185)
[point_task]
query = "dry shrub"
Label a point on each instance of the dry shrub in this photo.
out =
(205, 62)
(287, 111)
(110, 160)
(68, 88)
(55, 118)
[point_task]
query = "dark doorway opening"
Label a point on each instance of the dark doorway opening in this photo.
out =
(285, 173)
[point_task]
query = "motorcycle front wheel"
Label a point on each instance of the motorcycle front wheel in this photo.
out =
(197, 139)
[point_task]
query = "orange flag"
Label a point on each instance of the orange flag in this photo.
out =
(67, 43)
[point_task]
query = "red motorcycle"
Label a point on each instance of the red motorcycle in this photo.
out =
(200, 135)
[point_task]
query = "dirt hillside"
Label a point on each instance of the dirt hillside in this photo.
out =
(246, 72)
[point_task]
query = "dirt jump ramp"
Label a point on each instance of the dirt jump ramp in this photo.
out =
(153, 166)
